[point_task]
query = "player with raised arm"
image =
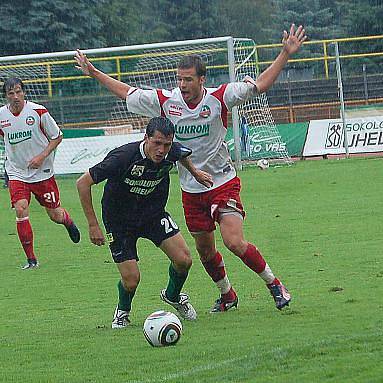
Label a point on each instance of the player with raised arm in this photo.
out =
(133, 206)
(200, 115)
(31, 135)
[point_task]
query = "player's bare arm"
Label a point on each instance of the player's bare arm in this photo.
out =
(119, 88)
(292, 42)
(38, 160)
(84, 185)
(200, 176)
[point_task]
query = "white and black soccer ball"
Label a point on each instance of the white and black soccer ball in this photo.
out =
(162, 328)
(263, 164)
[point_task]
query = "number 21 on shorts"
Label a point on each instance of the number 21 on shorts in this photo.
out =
(49, 197)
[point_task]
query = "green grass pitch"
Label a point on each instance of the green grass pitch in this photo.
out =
(319, 225)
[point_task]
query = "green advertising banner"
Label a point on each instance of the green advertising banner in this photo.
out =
(291, 135)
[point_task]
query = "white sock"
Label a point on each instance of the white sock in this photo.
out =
(267, 275)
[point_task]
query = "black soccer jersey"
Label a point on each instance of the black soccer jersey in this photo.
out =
(136, 188)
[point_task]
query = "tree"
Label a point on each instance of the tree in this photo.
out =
(124, 23)
(319, 17)
(246, 18)
(184, 19)
(37, 26)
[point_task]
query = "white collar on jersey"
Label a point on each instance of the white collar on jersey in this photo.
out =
(142, 149)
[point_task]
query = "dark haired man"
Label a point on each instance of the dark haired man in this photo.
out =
(133, 206)
(31, 135)
(200, 115)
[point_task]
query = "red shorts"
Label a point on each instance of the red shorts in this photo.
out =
(46, 192)
(202, 209)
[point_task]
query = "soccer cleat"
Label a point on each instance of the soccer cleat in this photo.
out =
(221, 306)
(120, 318)
(281, 295)
(32, 264)
(183, 306)
(74, 233)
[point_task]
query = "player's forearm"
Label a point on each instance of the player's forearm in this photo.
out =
(117, 87)
(186, 162)
(200, 176)
(53, 144)
(267, 78)
(85, 193)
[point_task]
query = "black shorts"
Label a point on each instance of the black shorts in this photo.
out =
(123, 243)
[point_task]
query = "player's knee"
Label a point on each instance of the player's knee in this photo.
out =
(56, 215)
(21, 209)
(183, 261)
(205, 253)
(235, 245)
(131, 282)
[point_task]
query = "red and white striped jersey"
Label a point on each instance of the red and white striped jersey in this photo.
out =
(25, 136)
(202, 128)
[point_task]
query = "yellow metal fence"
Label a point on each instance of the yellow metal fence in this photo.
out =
(313, 51)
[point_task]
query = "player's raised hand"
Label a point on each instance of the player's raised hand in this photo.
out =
(293, 40)
(83, 63)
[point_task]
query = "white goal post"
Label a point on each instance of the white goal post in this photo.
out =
(79, 102)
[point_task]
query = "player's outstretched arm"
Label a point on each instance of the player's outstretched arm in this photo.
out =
(292, 42)
(84, 184)
(119, 88)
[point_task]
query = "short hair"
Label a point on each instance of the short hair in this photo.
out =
(193, 61)
(10, 83)
(160, 124)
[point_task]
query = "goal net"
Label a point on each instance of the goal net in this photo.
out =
(80, 103)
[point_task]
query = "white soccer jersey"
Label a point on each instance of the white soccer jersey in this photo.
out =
(202, 129)
(25, 136)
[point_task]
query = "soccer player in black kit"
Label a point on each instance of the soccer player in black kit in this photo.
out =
(133, 206)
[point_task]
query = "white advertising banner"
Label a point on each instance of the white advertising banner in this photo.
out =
(364, 135)
(77, 155)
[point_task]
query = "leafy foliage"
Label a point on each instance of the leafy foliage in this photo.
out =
(35, 26)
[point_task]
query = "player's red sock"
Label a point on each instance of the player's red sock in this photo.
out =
(253, 259)
(230, 296)
(25, 233)
(67, 220)
(276, 281)
(215, 267)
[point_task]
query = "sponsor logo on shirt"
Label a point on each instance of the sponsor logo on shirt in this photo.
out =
(137, 170)
(109, 237)
(142, 187)
(190, 132)
(205, 112)
(4, 124)
(30, 120)
(175, 110)
(17, 137)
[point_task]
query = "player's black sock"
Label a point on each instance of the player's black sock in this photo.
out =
(124, 297)
(176, 282)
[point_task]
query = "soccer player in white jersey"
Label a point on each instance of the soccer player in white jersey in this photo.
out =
(200, 117)
(31, 135)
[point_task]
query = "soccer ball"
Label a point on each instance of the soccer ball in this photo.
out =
(263, 163)
(162, 328)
